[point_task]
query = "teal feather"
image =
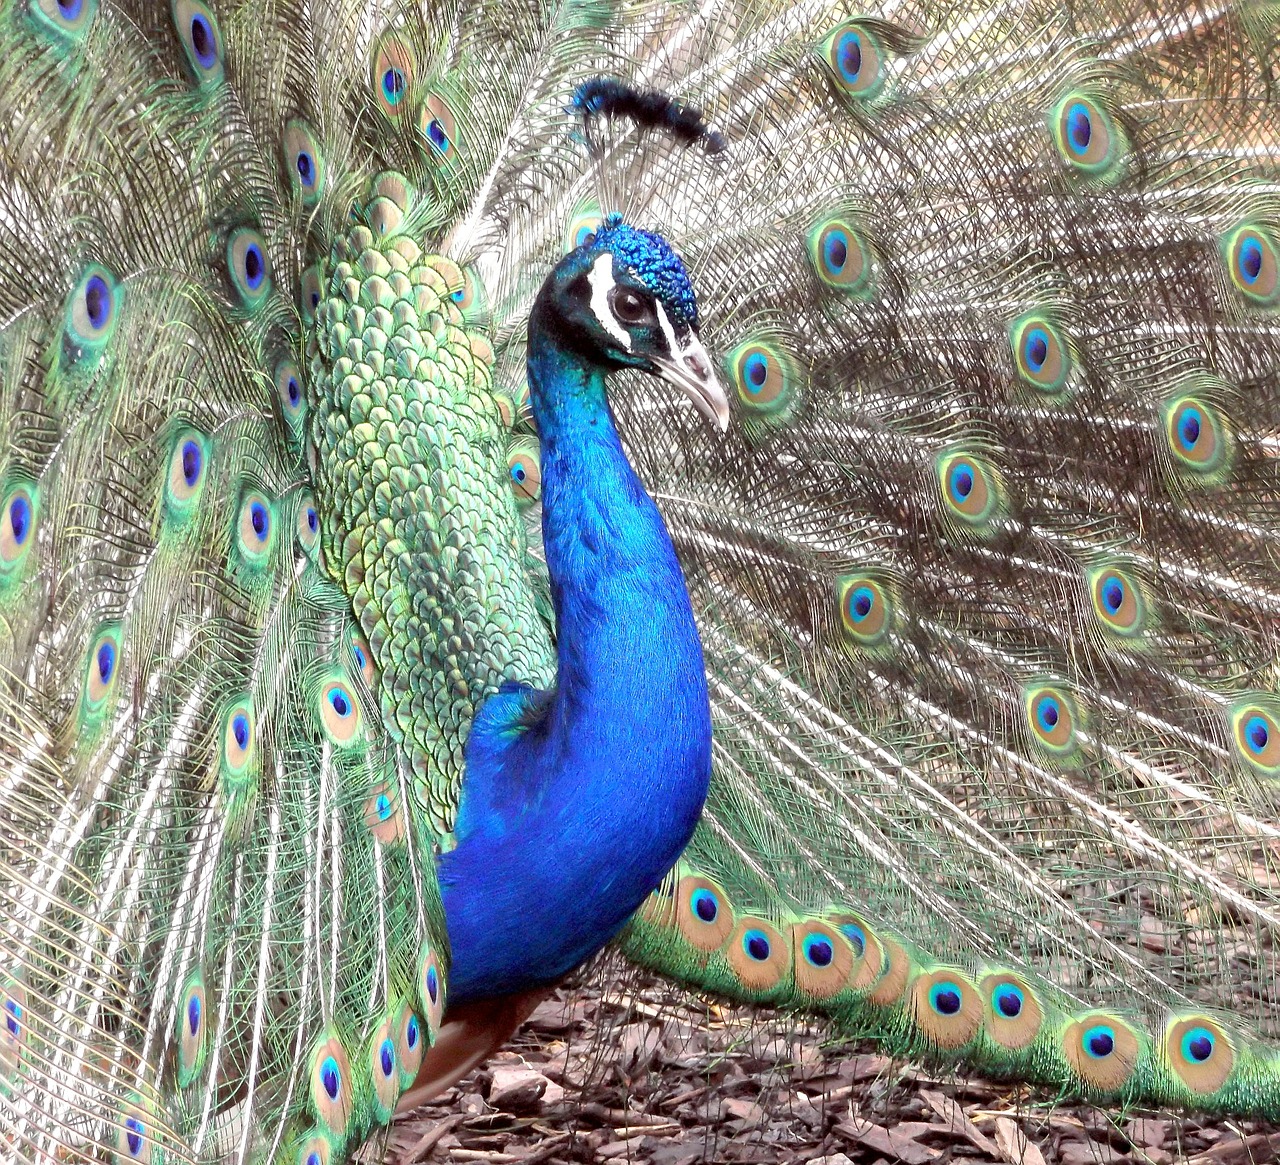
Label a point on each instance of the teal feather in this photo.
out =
(984, 568)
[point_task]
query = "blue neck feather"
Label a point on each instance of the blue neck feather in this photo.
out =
(576, 802)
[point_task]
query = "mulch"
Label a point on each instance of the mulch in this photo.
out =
(624, 1068)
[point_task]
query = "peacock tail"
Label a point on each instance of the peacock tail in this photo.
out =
(985, 567)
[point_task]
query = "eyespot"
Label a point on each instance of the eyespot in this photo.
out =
(439, 127)
(1052, 717)
(240, 738)
(255, 531)
(91, 311)
(758, 955)
(1199, 1052)
(131, 1137)
(855, 59)
(308, 524)
(466, 296)
(313, 1150)
(192, 1023)
(703, 914)
(383, 815)
(765, 375)
(946, 1008)
(1039, 353)
(1255, 728)
(1012, 1012)
(70, 19)
(840, 257)
(868, 954)
(303, 161)
(188, 468)
(331, 1085)
(525, 467)
(431, 989)
(1102, 1051)
(363, 656)
(292, 396)
(102, 669)
(1251, 258)
(395, 71)
(1086, 137)
(201, 39)
(411, 1045)
(582, 227)
(249, 266)
(339, 713)
(309, 294)
(866, 610)
(824, 959)
(384, 1069)
(970, 488)
(1117, 601)
(1197, 436)
(17, 526)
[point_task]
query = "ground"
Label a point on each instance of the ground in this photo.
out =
(628, 1069)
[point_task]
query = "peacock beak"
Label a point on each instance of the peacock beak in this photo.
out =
(690, 369)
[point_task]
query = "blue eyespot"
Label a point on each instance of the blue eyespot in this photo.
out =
(255, 267)
(203, 41)
(818, 950)
(97, 302)
(1100, 1041)
(20, 518)
(848, 56)
(756, 944)
(331, 1077)
(944, 998)
(70, 9)
(1079, 128)
(295, 393)
(393, 86)
(835, 251)
(1198, 1045)
(433, 984)
(386, 1058)
(240, 729)
(960, 481)
(1035, 348)
(861, 602)
(11, 1020)
(1256, 733)
(704, 905)
(313, 1158)
(755, 371)
(134, 1130)
(192, 461)
(338, 701)
(1249, 259)
(382, 806)
(411, 1032)
(313, 519)
(106, 661)
(856, 936)
(260, 520)
(461, 294)
(1112, 592)
(1189, 427)
(1009, 1000)
(306, 168)
(436, 135)
(518, 473)
(1048, 712)
(193, 1014)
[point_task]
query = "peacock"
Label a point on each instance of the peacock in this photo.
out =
(791, 490)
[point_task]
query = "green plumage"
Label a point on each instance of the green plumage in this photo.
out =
(985, 568)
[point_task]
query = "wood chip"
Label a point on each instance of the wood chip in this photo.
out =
(894, 1143)
(954, 1118)
(1013, 1144)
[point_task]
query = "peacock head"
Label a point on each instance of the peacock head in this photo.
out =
(623, 300)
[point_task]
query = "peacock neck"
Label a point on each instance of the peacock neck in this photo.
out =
(577, 802)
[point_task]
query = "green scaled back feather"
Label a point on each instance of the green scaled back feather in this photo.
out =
(986, 566)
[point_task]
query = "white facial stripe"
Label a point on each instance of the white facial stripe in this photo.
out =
(673, 347)
(602, 282)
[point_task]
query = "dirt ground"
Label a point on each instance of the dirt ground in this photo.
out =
(625, 1068)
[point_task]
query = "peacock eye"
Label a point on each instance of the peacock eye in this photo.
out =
(629, 307)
